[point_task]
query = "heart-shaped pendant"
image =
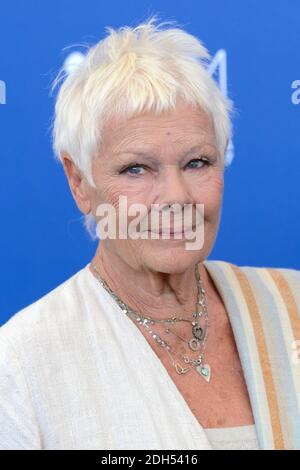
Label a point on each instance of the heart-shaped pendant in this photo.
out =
(181, 370)
(197, 331)
(204, 371)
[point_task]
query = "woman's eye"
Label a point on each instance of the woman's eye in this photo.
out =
(132, 169)
(195, 163)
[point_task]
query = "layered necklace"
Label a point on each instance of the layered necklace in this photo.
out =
(199, 327)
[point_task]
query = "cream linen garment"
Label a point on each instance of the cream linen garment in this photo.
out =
(76, 372)
(236, 438)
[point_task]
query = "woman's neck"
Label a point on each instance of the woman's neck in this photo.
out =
(156, 294)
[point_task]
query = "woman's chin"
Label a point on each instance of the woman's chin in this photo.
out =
(170, 260)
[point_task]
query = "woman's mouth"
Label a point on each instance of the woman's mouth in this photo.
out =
(173, 232)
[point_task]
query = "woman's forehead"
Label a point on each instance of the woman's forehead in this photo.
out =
(152, 131)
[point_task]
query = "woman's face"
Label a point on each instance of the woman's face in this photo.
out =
(167, 159)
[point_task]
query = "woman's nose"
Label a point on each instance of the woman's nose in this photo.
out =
(174, 187)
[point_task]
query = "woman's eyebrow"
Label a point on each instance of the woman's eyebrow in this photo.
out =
(131, 157)
(150, 156)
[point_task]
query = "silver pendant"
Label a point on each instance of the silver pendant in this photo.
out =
(181, 370)
(197, 331)
(205, 371)
(194, 344)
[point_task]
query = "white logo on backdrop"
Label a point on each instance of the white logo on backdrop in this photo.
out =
(72, 61)
(296, 94)
(2, 92)
(217, 64)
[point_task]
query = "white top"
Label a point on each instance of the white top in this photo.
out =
(76, 373)
(236, 438)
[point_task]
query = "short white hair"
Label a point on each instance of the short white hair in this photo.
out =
(133, 70)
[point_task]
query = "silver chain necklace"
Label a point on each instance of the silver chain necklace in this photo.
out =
(199, 331)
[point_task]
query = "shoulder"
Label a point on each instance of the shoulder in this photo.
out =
(291, 275)
(264, 281)
(37, 321)
(282, 277)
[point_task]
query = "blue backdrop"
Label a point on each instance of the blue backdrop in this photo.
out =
(42, 239)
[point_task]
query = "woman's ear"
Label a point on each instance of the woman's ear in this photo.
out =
(77, 183)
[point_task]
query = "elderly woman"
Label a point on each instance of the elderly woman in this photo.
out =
(150, 345)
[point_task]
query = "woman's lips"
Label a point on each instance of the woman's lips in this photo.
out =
(172, 232)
